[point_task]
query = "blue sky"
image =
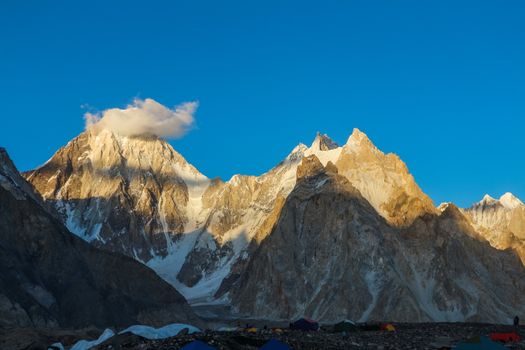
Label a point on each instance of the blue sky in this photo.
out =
(441, 83)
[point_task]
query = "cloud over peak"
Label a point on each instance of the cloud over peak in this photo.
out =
(145, 117)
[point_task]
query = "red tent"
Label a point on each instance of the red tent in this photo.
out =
(505, 337)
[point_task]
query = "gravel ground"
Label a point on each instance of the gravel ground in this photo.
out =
(406, 336)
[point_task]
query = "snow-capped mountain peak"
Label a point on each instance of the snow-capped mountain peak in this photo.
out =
(110, 176)
(509, 201)
(501, 221)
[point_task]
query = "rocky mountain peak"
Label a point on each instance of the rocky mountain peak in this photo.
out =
(110, 176)
(451, 210)
(297, 153)
(383, 179)
(488, 200)
(6, 164)
(323, 142)
(359, 140)
(310, 166)
(443, 206)
(3, 154)
(12, 181)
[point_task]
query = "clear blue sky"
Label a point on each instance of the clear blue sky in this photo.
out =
(441, 83)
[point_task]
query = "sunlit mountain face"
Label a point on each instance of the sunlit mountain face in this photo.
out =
(327, 226)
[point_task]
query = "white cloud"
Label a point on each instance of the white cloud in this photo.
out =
(145, 117)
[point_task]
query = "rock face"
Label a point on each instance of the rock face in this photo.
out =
(331, 257)
(384, 180)
(501, 222)
(331, 231)
(98, 179)
(138, 196)
(53, 278)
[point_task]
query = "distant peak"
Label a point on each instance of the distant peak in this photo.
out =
(356, 133)
(358, 136)
(323, 142)
(309, 166)
(510, 201)
(300, 148)
(359, 139)
(487, 199)
(297, 153)
(443, 206)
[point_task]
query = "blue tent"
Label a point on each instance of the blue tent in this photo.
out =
(197, 345)
(481, 343)
(274, 344)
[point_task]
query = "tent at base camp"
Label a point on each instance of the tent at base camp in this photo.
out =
(275, 345)
(305, 324)
(197, 345)
(479, 343)
(345, 326)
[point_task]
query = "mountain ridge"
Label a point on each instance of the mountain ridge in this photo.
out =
(51, 278)
(200, 234)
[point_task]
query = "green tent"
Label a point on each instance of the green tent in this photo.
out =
(345, 326)
(480, 343)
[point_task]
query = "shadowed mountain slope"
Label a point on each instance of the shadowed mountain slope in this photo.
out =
(331, 256)
(52, 278)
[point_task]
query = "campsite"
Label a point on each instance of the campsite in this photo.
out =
(262, 175)
(461, 336)
(304, 335)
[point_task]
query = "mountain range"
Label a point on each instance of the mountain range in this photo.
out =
(331, 232)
